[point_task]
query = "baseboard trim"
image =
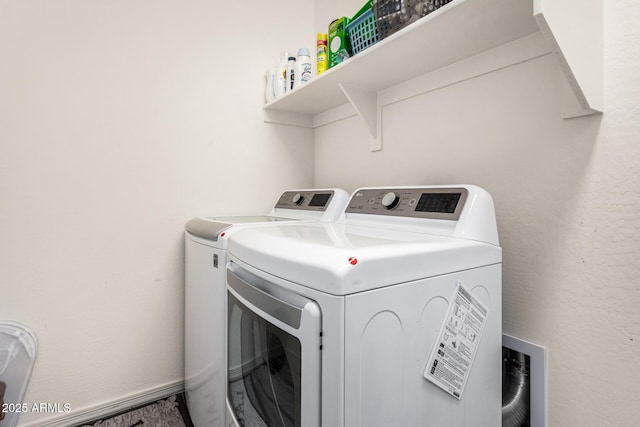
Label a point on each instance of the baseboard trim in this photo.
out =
(109, 409)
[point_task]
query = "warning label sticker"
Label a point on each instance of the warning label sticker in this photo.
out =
(452, 357)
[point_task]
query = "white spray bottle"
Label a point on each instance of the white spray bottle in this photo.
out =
(269, 87)
(304, 67)
(281, 75)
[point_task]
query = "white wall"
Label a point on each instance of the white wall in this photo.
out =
(119, 121)
(567, 195)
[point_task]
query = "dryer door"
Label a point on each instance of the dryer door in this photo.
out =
(273, 353)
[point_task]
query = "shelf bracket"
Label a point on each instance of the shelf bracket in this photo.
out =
(365, 102)
(579, 53)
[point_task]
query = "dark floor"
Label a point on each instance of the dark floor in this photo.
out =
(182, 408)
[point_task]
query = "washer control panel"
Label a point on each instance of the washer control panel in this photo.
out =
(305, 200)
(432, 203)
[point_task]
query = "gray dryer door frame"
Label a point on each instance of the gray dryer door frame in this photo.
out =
(274, 352)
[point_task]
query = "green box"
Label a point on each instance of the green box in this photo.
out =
(338, 40)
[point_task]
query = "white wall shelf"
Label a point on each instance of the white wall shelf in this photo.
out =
(452, 35)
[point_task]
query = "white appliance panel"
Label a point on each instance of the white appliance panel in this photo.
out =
(205, 373)
(342, 259)
(389, 335)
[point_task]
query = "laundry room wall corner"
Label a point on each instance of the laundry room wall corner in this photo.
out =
(566, 201)
(119, 121)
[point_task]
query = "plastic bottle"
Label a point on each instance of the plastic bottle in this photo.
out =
(303, 67)
(291, 72)
(281, 77)
(322, 55)
(269, 87)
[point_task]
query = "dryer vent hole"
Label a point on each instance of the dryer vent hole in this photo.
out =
(516, 393)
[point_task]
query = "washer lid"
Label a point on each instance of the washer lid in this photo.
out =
(341, 259)
(293, 205)
(210, 228)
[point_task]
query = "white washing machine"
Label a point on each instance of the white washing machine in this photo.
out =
(205, 296)
(390, 317)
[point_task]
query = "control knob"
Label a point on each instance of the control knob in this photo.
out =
(297, 199)
(390, 200)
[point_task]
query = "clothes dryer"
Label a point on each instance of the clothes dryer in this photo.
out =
(206, 240)
(389, 317)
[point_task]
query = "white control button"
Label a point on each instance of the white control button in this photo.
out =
(390, 200)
